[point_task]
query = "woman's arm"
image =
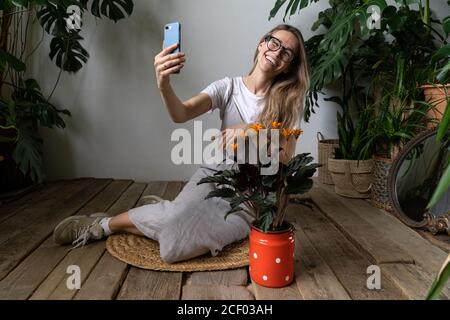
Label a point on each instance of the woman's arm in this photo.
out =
(165, 65)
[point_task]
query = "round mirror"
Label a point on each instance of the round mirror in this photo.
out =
(413, 178)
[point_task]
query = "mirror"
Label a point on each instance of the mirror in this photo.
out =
(413, 178)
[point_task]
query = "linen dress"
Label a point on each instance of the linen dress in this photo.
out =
(189, 225)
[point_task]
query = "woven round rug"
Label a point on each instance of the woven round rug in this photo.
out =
(143, 252)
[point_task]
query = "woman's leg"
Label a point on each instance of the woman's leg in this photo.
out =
(122, 222)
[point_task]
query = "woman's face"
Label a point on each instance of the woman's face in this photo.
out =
(276, 62)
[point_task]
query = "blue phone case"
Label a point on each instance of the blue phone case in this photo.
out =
(172, 35)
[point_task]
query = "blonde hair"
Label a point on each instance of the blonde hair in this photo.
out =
(286, 95)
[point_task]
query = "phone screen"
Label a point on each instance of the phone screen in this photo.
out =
(172, 35)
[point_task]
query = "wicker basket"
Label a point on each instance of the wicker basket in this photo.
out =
(326, 150)
(379, 194)
(352, 178)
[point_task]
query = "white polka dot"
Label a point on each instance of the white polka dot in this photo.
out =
(277, 260)
(255, 255)
(287, 278)
(265, 278)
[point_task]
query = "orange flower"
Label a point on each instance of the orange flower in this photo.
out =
(286, 132)
(297, 132)
(256, 127)
(276, 125)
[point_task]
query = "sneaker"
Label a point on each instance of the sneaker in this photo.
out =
(79, 230)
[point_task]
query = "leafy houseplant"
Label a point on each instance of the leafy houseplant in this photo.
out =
(265, 198)
(23, 105)
(379, 66)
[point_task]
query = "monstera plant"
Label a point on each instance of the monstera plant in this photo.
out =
(23, 105)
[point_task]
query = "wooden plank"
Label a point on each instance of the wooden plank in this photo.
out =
(234, 277)
(315, 279)
(104, 281)
(107, 276)
(54, 286)
(18, 247)
(43, 192)
(29, 214)
(442, 241)
(428, 256)
(412, 280)
(26, 277)
(346, 261)
(216, 292)
(365, 237)
(287, 293)
(143, 284)
(138, 281)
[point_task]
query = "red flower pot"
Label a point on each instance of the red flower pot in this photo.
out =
(271, 257)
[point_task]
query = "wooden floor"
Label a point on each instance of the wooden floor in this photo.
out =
(336, 242)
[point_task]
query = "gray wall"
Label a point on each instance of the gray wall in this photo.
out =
(120, 128)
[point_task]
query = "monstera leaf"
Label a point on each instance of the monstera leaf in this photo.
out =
(67, 52)
(113, 9)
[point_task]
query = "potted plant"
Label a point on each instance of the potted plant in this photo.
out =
(352, 165)
(265, 197)
(436, 91)
(23, 105)
(371, 55)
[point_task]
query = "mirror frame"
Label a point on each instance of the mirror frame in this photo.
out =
(433, 223)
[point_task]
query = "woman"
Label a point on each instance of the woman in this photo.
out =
(189, 226)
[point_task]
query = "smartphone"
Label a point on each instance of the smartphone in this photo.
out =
(172, 35)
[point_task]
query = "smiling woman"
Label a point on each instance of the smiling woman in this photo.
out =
(190, 225)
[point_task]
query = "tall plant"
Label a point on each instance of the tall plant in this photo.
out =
(23, 105)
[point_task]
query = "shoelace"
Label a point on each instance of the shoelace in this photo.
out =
(82, 235)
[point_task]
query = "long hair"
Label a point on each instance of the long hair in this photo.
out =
(286, 95)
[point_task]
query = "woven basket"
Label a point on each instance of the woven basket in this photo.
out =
(379, 193)
(352, 178)
(326, 150)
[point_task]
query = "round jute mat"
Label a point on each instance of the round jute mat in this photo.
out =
(143, 252)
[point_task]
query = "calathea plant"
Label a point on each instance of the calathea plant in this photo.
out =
(264, 196)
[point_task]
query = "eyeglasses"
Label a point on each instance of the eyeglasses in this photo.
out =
(274, 44)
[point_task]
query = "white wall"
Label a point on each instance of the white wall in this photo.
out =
(120, 128)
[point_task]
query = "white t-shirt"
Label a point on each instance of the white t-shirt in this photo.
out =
(240, 106)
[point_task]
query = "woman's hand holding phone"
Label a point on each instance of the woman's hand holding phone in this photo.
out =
(167, 63)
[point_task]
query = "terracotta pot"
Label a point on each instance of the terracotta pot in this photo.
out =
(436, 95)
(272, 257)
(352, 178)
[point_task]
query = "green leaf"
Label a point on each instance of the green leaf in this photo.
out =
(10, 60)
(113, 9)
(221, 193)
(444, 125)
(67, 52)
(446, 25)
(440, 281)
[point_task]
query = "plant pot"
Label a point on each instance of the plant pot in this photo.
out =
(326, 150)
(352, 178)
(379, 193)
(436, 95)
(271, 256)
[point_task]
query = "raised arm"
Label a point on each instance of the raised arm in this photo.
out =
(165, 65)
